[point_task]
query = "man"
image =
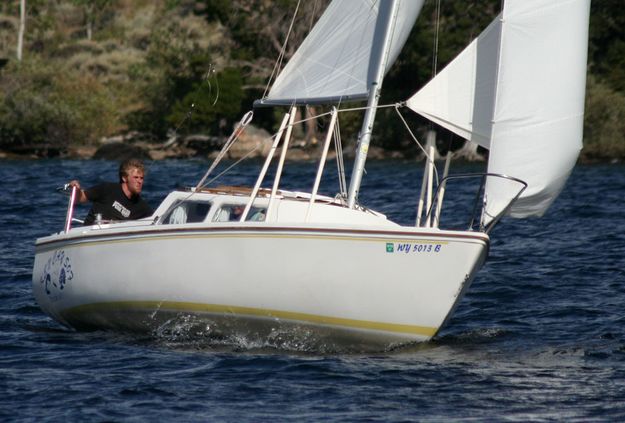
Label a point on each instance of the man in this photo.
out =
(117, 201)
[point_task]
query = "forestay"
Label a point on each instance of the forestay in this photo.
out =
(519, 91)
(337, 61)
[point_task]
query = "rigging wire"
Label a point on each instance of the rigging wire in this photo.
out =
(437, 28)
(313, 14)
(192, 193)
(338, 147)
(435, 45)
(397, 106)
(245, 120)
(278, 63)
(436, 39)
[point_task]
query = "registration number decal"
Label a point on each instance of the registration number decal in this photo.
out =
(409, 248)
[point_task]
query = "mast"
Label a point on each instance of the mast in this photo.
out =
(375, 88)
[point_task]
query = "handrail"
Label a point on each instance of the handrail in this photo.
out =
(322, 163)
(263, 171)
(276, 181)
(479, 194)
(70, 209)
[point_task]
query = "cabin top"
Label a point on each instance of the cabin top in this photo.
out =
(229, 204)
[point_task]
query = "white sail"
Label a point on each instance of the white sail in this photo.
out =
(337, 60)
(461, 98)
(524, 100)
(539, 113)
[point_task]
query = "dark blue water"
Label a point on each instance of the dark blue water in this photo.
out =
(540, 336)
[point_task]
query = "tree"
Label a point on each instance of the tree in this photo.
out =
(211, 104)
(93, 10)
(184, 62)
(259, 29)
(22, 28)
(607, 42)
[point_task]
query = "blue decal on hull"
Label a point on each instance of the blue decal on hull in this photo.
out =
(57, 272)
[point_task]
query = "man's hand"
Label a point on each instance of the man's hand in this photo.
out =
(80, 194)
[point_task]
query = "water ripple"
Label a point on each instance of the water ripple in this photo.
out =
(540, 335)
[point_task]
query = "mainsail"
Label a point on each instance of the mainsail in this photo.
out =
(338, 59)
(519, 91)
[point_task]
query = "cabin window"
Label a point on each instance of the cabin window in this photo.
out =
(233, 212)
(187, 212)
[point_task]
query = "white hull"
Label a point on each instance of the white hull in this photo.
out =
(250, 261)
(350, 285)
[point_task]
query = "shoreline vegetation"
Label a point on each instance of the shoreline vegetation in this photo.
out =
(171, 78)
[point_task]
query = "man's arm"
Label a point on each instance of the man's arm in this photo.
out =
(80, 193)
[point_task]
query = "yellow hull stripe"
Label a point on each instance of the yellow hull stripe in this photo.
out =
(250, 311)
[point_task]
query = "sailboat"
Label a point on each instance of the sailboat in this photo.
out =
(328, 265)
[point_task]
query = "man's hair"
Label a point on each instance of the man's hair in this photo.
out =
(126, 165)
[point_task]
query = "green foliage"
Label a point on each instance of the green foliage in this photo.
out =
(42, 104)
(217, 10)
(171, 77)
(604, 127)
(246, 21)
(607, 42)
(211, 105)
(150, 61)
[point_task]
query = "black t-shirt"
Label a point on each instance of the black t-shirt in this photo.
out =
(110, 201)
